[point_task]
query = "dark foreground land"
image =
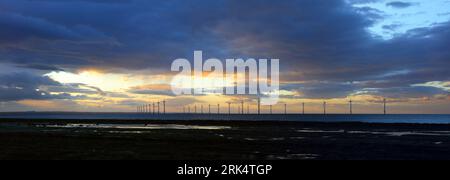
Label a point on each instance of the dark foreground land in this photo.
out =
(220, 140)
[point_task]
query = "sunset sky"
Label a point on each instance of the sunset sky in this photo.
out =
(113, 55)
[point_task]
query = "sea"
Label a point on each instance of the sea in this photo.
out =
(367, 118)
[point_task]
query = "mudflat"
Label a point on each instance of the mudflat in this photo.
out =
(220, 140)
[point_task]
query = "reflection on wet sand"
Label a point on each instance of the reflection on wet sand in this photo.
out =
(140, 127)
(387, 133)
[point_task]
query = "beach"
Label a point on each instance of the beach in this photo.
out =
(220, 140)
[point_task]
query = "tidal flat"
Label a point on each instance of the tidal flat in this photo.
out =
(220, 140)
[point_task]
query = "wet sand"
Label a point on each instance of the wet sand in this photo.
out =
(220, 140)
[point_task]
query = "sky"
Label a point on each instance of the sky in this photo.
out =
(113, 55)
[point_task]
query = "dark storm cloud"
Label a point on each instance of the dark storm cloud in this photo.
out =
(316, 40)
(92, 1)
(88, 33)
(410, 92)
(43, 67)
(22, 86)
(17, 27)
(322, 90)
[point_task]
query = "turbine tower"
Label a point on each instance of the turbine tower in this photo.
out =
(159, 106)
(242, 106)
(229, 108)
(164, 106)
(285, 108)
(153, 106)
(384, 105)
(303, 110)
(351, 106)
(218, 108)
(259, 106)
(324, 107)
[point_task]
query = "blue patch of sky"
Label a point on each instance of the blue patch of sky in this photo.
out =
(398, 20)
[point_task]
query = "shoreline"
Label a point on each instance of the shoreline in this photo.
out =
(207, 122)
(333, 118)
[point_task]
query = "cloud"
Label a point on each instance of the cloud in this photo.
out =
(325, 44)
(407, 92)
(17, 27)
(400, 4)
(362, 1)
(392, 27)
(25, 86)
(154, 89)
(321, 90)
(43, 67)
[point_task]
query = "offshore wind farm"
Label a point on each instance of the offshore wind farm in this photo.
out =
(237, 112)
(150, 108)
(225, 79)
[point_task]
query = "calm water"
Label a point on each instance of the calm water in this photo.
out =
(434, 119)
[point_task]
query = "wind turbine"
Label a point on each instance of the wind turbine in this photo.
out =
(303, 110)
(285, 108)
(164, 106)
(242, 106)
(153, 107)
(159, 106)
(351, 106)
(259, 106)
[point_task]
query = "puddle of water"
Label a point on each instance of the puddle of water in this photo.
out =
(387, 133)
(319, 131)
(294, 156)
(277, 139)
(402, 133)
(141, 127)
(297, 138)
